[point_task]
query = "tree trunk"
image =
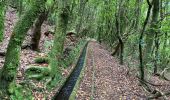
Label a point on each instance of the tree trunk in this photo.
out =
(118, 32)
(138, 12)
(121, 49)
(164, 56)
(20, 8)
(9, 70)
(156, 53)
(37, 30)
(80, 17)
(156, 7)
(141, 67)
(153, 31)
(58, 45)
(2, 15)
(99, 30)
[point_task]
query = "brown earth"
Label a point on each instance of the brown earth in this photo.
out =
(111, 81)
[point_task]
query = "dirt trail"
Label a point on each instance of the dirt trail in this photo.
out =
(110, 80)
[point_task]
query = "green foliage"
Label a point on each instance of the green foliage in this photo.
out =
(73, 54)
(52, 18)
(64, 63)
(37, 72)
(42, 60)
(48, 45)
(19, 92)
(165, 25)
(9, 70)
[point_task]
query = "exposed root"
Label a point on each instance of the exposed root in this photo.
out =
(37, 72)
(162, 75)
(154, 92)
(42, 60)
(159, 94)
(145, 82)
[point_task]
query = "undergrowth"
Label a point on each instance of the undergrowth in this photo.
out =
(42, 74)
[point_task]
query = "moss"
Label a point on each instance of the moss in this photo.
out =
(73, 54)
(57, 49)
(19, 92)
(8, 73)
(37, 30)
(42, 60)
(73, 94)
(37, 72)
(74, 62)
(2, 16)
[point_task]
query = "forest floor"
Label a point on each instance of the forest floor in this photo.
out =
(104, 78)
(28, 56)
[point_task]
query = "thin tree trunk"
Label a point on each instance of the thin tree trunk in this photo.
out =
(152, 32)
(9, 70)
(163, 58)
(118, 33)
(121, 49)
(80, 17)
(142, 74)
(2, 18)
(99, 34)
(138, 12)
(156, 53)
(37, 30)
(20, 8)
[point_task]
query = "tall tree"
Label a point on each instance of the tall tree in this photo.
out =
(37, 30)
(141, 66)
(50, 7)
(154, 27)
(9, 70)
(80, 14)
(60, 34)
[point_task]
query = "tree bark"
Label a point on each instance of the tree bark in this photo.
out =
(2, 18)
(9, 70)
(138, 12)
(141, 67)
(58, 45)
(20, 8)
(152, 32)
(37, 30)
(80, 17)
(118, 32)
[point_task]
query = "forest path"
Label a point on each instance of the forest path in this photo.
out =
(105, 79)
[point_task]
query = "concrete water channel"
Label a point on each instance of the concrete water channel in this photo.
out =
(67, 88)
